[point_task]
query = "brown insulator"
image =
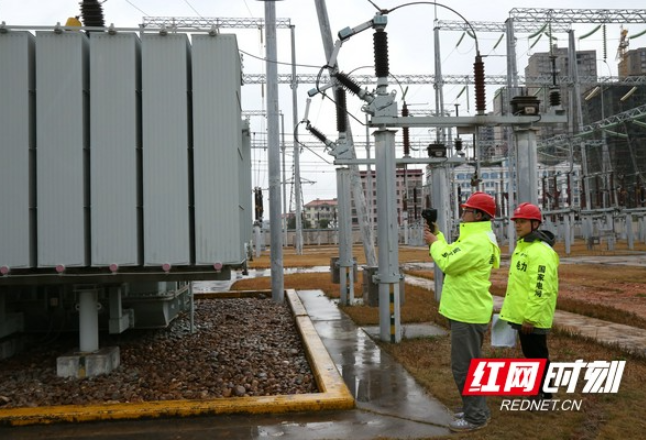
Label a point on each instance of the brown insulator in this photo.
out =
(555, 97)
(405, 131)
(380, 39)
(92, 13)
(341, 107)
(479, 79)
(317, 133)
(348, 83)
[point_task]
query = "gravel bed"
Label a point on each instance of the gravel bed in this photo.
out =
(241, 347)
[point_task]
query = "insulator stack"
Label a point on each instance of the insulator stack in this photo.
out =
(258, 203)
(405, 131)
(381, 54)
(316, 132)
(555, 98)
(341, 108)
(605, 43)
(92, 13)
(348, 83)
(479, 79)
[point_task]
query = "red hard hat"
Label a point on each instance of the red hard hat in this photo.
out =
(527, 211)
(483, 202)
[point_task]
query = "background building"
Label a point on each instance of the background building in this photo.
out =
(320, 213)
(542, 64)
(633, 63)
(408, 192)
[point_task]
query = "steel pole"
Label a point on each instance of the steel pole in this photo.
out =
(344, 215)
(284, 205)
(277, 278)
(512, 85)
(388, 276)
(440, 197)
(526, 169)
(298, 233)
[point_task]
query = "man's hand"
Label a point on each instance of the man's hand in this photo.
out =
(429, 237)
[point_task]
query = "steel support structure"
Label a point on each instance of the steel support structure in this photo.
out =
(440, 193)
(88, 319)
(298, 238)
(344, 214)
(357, 190)
(387, 238)
(526, 169)
(273, 152)
(421, 79)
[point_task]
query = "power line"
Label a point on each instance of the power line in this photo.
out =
(194, 10)
(136, 7)
(276, 61)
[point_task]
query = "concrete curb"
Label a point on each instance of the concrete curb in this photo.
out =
(334, 393)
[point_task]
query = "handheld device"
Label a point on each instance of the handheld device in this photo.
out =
(430, 215)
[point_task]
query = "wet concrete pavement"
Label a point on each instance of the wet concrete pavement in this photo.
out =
(380, 385)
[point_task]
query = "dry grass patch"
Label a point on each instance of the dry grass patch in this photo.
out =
(579, 248)
(320, 256)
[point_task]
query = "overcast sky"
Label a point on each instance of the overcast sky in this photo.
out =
(410, 33)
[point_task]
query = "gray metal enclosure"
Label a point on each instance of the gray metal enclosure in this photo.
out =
(115, 121)
(122, 156)
(217, 150)
(17, 118)
(165, 100)
(62, 149)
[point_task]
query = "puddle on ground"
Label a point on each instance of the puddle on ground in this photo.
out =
(225, 285)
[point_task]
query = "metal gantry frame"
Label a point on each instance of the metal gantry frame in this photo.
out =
(535, 21)
(556, 17)
(217, 23)
(429, 79)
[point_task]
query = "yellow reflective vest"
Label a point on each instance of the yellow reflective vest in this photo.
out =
(533, 285)
(467, 265)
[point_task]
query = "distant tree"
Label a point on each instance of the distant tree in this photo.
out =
(291, 222)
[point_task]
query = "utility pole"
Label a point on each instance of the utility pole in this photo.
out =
(512, 87)
(277, 277)
(298, 233)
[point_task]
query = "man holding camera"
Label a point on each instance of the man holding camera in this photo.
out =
(466, 301)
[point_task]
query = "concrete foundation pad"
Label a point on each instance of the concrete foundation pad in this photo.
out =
(82, 365)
